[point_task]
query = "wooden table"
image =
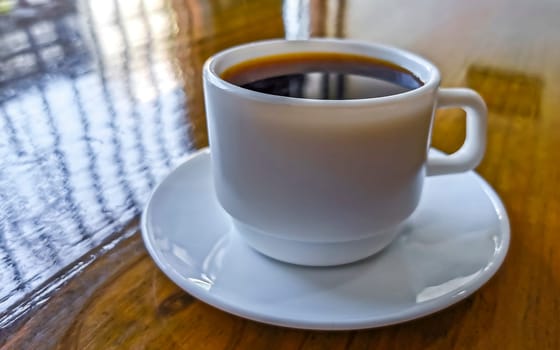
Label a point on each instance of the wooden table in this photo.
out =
(99, 100)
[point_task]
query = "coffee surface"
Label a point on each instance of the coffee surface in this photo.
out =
(322, 75)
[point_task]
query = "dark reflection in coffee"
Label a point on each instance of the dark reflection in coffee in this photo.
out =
(322, 75)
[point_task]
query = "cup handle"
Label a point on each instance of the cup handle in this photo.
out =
(472, 150)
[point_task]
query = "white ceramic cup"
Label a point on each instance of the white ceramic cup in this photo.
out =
(328, 182)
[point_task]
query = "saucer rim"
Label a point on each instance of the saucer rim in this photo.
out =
(406, 314)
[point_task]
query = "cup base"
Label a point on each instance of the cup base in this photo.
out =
(316, 253)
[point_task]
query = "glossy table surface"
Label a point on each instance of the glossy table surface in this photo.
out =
(99, 100)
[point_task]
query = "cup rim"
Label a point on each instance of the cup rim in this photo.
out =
(432, 83)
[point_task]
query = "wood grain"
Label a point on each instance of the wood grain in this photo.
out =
(507, 50)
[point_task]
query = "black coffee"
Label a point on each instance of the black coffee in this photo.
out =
(322, 75)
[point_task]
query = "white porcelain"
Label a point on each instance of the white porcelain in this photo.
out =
(452, 244)
(328, 181)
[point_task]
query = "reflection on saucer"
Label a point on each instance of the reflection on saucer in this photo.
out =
(434, 292)
(453, 243)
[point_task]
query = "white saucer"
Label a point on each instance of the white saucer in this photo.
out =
(454, 242)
